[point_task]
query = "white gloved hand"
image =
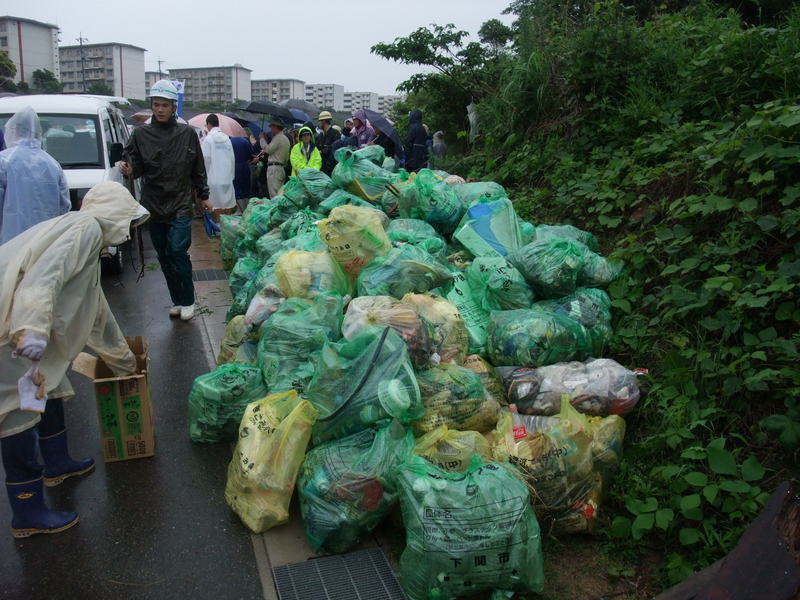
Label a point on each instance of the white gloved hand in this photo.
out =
(31, 395)
(126, 366)
(32, 345)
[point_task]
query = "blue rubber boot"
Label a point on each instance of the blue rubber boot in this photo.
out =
(31, 516)
(58, 465)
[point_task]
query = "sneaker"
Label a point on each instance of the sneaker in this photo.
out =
(187, 312)
(175, 311)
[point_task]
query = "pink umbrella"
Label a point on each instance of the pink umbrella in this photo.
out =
(226, 124)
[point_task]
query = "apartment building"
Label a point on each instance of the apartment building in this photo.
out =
(386, 103)
(277, 90)
(214, 84)
(119, 66)
(31, 45)
(326, 95)
(356, 100)
(151, 77)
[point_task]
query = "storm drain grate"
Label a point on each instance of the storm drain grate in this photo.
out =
(360, 575)
(209, 275)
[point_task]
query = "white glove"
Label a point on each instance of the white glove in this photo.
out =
(126, 366)
(30, 387)
(32, 345)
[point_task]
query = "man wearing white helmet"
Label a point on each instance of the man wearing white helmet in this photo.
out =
(167, 156)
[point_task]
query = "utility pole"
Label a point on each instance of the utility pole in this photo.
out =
(80, 40)
(160, 76)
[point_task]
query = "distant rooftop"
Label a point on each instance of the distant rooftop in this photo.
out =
(236, 66)
(24, 20)
(72, 46)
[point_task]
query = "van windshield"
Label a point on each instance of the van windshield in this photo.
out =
(71, 139)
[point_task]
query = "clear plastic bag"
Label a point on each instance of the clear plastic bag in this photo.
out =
(355, 236)
(401, 271)
(467, 532)
(454, 396)
(361, 383)
(452, 450)
(534, 338)
(273, 437)
(599, 387)
(347, 486)
(218, 399)
(305, 274)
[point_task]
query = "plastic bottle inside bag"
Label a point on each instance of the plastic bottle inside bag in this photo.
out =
(520, 431)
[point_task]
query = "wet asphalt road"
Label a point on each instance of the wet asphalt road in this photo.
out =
(150, 528)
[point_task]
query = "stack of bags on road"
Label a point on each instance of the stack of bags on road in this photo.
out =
(398, 339)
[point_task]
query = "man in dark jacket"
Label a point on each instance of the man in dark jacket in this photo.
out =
(325, 140)
(167, 155)
(416, 142)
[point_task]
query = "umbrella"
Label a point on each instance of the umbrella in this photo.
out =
(376, 119)
(267, 108)
(227, 125)
(304, 105)
(299, 115)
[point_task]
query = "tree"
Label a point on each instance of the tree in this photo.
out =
(495, 34)
(45, 81)
(7, 70)
(100, 88)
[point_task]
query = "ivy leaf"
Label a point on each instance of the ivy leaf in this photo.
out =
(620, 527)
(710, 493)
(721, 461)
(752, 470)
(748, 205)
(689, 502)
(689, 536)
(696, 478)
(642, 524)
(768, 222)
(735, 486)
(664, 517)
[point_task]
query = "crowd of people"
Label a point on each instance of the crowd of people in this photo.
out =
(51, 305)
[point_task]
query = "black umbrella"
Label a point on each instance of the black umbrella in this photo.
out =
(266, 108)
(304, 105)
(376, 119)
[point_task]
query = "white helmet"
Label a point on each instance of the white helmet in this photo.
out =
(164, 89)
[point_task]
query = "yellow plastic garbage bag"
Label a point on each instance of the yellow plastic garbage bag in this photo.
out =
(303, 274)
(355, 236)
(449, 330)
(273, 437)
(492, 384)
(235, 335)
(452, 450)
(565, 461)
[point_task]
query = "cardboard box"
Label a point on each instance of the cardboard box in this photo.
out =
(124, 407)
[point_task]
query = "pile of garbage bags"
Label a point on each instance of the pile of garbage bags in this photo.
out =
(407, 340)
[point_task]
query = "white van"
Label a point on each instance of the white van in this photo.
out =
(85, 134)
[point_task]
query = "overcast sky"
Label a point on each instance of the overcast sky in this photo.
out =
(311, 40)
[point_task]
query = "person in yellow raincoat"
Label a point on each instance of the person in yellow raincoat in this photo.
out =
(305, 154)
(51, 306)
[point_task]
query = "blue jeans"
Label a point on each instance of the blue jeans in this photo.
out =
(172, 239)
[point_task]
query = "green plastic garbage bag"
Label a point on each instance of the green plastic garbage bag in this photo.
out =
(534, 338)
(490, 229)
(551, 267)
(497, 285)
(544, 233)
(235, 335)
(307, 241)
(528, 231)
(355, 236)
(417, 233)
(431, 199)
(404, 270)
(448, 330)
(597, 270)
(460, 294)
(340, 198)
(591, 308)
(360, 176)
(246, 353)
(272, 443)
(241, 301)
(363, 382)
(229, 235)
(244, 270)
(375, 154)
(347, 486)
(492, 385)
(453, 396)
(218, 399)
(479, 191)
(268, 244)
(316, 185)
(467, 532)
(263, 218)
(390, 164)
(293, 337)
(302, 221)
(306, 274)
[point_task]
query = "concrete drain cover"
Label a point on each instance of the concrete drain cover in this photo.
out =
(360, 575)
(209, 275)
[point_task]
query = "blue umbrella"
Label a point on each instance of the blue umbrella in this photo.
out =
(376, 119)
(299, 115)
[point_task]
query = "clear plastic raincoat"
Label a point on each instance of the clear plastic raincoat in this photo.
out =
(50, 284)
(32, 185)
(220, 168)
